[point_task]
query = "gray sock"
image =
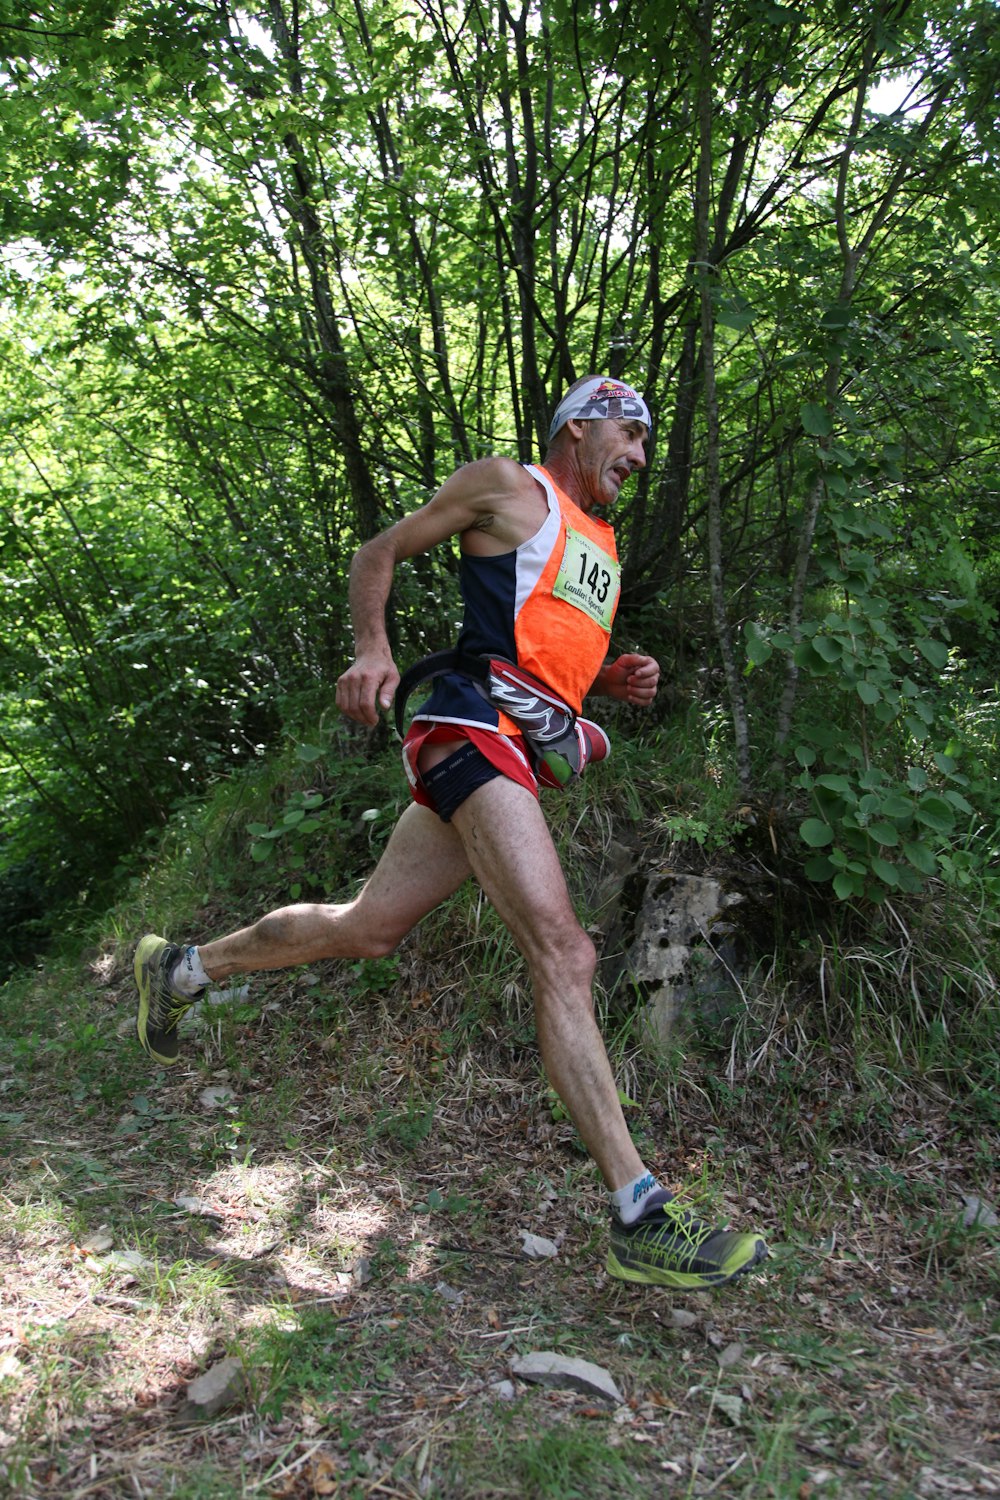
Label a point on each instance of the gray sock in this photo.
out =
(629, 1201)
(189, 977)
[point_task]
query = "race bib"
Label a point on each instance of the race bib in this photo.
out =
(588, 579)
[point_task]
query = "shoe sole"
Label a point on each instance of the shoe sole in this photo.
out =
(144, 979)
(685, 1281)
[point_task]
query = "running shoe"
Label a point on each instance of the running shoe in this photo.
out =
(668, 1246)
(160, 1006)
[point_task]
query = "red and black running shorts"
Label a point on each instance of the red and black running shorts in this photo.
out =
(507, 754)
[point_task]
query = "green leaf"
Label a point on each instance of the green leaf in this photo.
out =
(835, 783)
(805, 755)
(829, 647)
(816, 419)
(900, 808)
(936, 652)
(847, 885)
(308, 753)
(819, 868)
(815, 833)
(867, 692)
(810, 660)
(934, 812)
(261, 851)
(730, 318)
(920, 857)
(836, 316)
(757, 645)
(886, 834)
(887, 873)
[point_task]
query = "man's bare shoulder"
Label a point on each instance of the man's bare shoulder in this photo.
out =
(504, 502)
(494, 479)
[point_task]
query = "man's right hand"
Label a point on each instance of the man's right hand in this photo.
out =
(367, 685)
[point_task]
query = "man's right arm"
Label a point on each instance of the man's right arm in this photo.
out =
(370, 680)
(472, 495)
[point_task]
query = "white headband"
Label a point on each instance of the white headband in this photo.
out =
(600, 397)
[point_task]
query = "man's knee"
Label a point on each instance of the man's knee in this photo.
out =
(566, 960)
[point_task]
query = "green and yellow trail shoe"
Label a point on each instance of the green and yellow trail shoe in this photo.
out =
(668, 1246)
(160, 1007)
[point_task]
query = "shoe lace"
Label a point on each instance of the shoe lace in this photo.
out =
(685, 1222)
(679, 1230)
(174, 1007)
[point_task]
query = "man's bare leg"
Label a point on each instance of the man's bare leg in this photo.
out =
(513, 857)
(422, 864)
(511, 852)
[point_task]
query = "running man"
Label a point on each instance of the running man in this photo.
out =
(540, 582)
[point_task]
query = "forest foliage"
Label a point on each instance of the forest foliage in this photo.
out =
(270, 274)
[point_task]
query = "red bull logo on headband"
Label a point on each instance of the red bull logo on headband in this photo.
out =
(601, 397)
(613, 400)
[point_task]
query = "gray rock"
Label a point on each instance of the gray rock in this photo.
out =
(221, 1385)
(977, 1213)
(731, 1405)
(193, 1205)
(536, 1247)
(679, 947)
(95, 1244)
(680, 1317)
(560, 1372)
(123, 1262)
(216, 1096)
(227, 996)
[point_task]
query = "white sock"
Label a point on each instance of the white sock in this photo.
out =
(189, 977)
(628, 1201)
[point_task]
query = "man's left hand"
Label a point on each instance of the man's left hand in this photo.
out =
(631, 679)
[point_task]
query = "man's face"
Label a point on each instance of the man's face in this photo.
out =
(610, 450)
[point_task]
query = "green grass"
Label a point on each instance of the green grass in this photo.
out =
(561, 1462)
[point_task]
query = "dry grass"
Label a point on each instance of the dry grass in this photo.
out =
(343, 1213)
(350, 1231)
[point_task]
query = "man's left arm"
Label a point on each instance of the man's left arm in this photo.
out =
(631, 679)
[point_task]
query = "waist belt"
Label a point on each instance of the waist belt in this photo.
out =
(561, 743)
